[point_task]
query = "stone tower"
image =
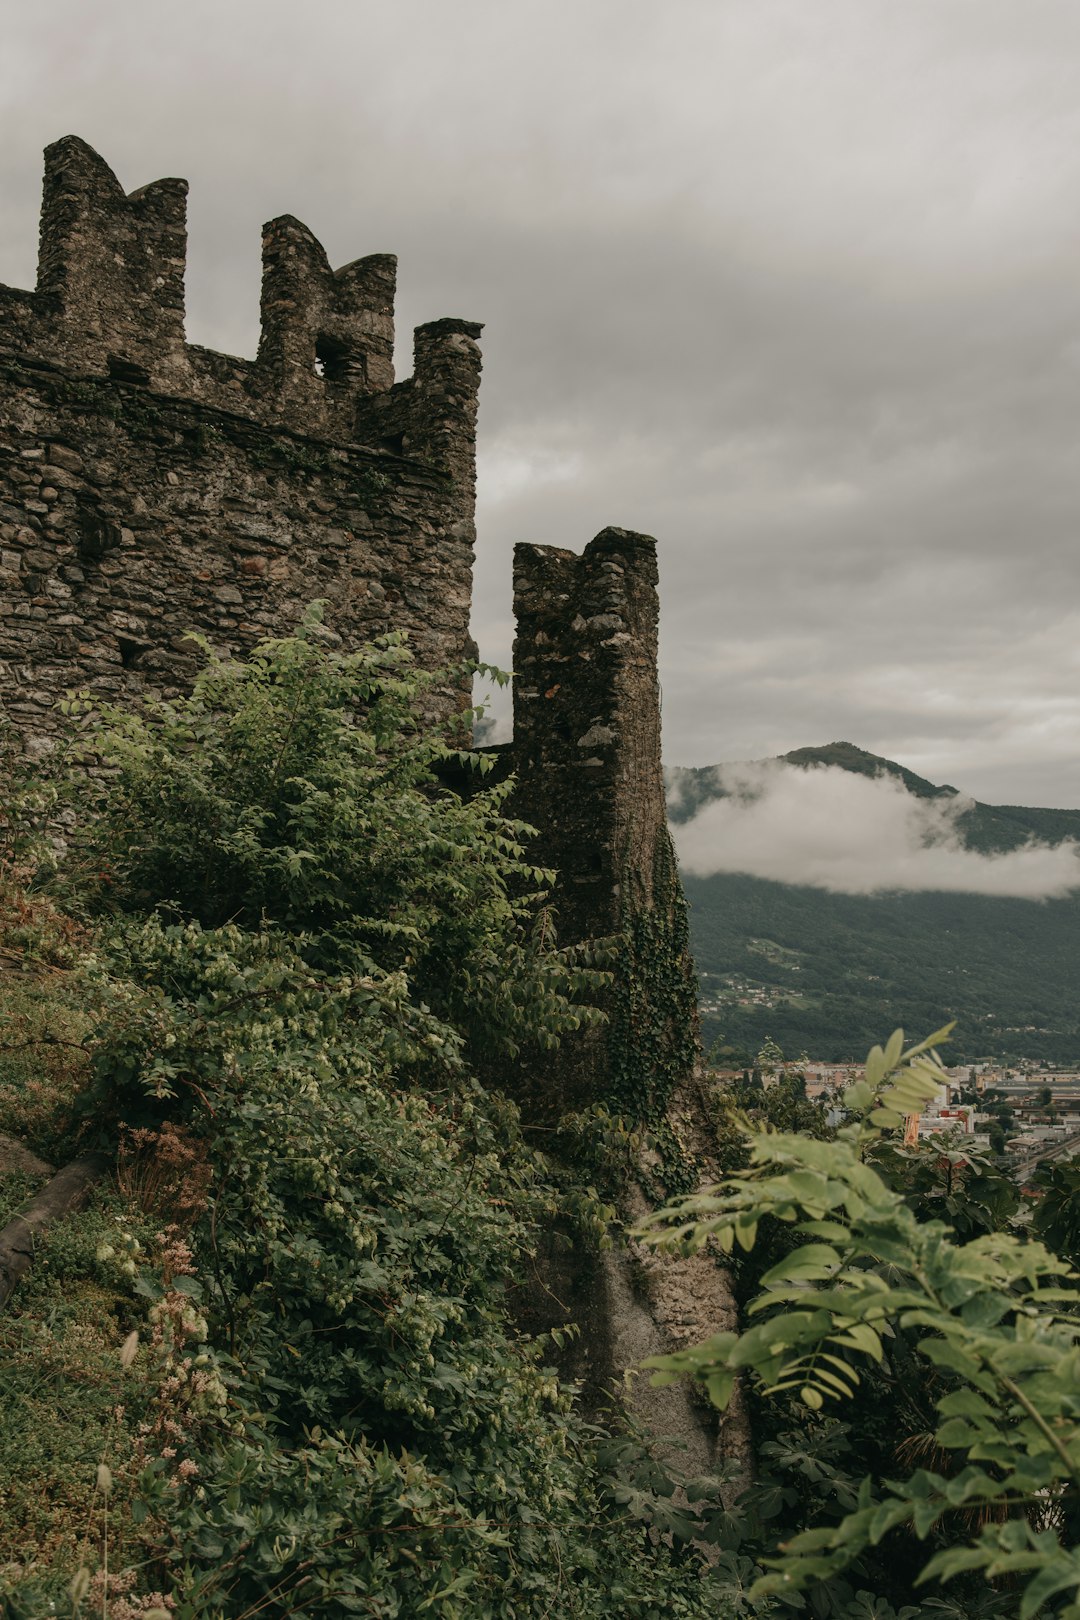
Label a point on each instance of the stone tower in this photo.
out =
(587, 721)
(586, 755)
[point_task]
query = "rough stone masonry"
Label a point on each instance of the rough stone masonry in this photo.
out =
(150, 487)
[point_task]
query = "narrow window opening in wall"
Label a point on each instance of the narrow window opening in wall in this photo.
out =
(335, 361)
(97, 534)
(121, 369)
(395, 443)
(130, 651)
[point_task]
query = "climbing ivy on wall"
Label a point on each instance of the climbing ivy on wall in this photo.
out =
(652, 1034)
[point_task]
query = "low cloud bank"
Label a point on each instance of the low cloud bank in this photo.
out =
(832, 829)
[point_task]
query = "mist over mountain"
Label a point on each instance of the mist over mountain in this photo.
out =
(835, 894)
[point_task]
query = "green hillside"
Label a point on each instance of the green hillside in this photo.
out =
(824, 972)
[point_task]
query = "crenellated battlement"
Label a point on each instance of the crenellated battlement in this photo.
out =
(325, 333)
(110, 266)
(109, 302)
(150, 487)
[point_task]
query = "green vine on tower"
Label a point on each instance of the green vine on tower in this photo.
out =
(653, 1029)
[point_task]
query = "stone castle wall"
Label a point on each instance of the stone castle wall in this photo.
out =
(150, 487)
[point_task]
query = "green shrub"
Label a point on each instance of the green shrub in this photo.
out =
(305, 943)
(996, 1337)
(299, 793)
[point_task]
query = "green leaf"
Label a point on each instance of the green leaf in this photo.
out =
(924, 1516)
(894, 1046)
(1059, 1575)
(956, 1433)
(860, 1336)
(719, 1387)
(952, 1561)
(809, 1261)
(831, 1231)
(966, 1403)
(887, 1119)
(876, 1068)
(936, 1039)
(986, 1310)
(831, 1382)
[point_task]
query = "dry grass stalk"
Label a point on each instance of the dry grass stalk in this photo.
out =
(165, 1172)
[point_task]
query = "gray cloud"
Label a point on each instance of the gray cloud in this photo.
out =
(792, 287)
(832, 829)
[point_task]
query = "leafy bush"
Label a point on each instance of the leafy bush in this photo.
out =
(299, 794)
(997, 1336)
(44, 1066)
(1056, 1215)
(951, 1179)
(304, 944)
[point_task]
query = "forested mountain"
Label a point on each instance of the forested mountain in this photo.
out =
(830, 973)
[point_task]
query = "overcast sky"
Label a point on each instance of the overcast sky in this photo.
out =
(793, 285)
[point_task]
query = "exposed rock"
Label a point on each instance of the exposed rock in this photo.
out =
(16, 1158)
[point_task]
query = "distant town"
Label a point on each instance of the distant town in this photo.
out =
(733, 990)
(1028, 1112)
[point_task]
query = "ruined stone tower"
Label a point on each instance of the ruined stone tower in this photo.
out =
(586, 755)
(587, 720)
